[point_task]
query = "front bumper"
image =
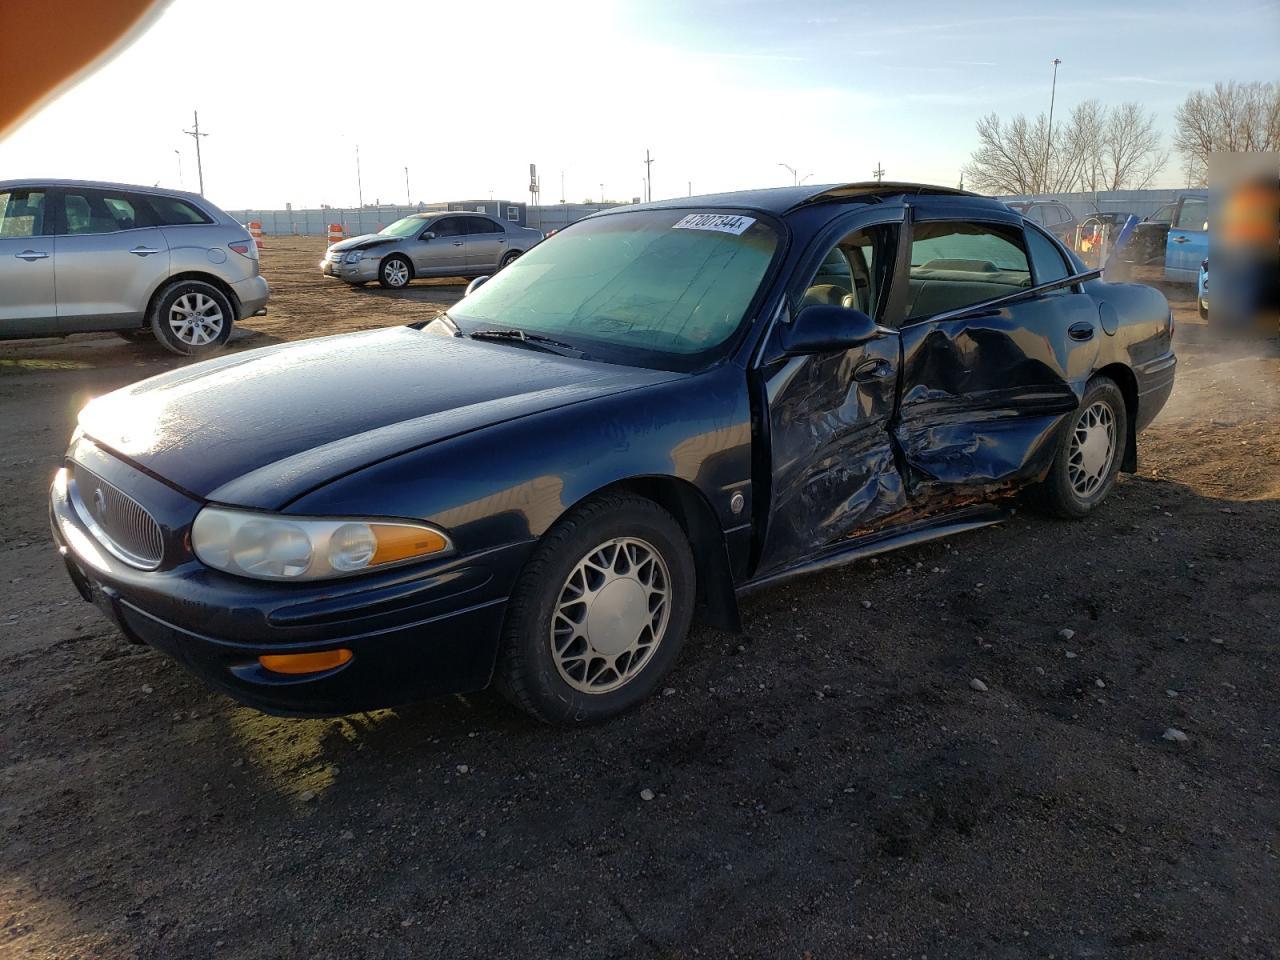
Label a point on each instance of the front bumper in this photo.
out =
(253, 293)
(360, 272)
(413, 632)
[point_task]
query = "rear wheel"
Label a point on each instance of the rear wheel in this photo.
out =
(192, 318)
(600, 612)
(395, 273)
(511, 257)
(1089, 453)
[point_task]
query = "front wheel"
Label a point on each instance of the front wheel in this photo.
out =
(600, 612)
(395, 273)
(192, 318)
(1089, 453)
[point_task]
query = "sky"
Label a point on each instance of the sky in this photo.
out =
(722, 92)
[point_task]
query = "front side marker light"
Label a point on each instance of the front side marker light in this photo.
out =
(294, 664)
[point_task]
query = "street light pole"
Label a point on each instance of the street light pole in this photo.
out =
(178, 154)
(359, 183)
(794, 181)
(408, 194)
(1048, 137)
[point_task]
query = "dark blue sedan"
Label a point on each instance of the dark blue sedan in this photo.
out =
(653, 411)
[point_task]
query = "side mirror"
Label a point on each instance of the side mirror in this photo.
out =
(475, 285)
(821, 328)
(427, 235)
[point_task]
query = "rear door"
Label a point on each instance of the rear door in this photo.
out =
(983, 395)
(1188, 241)
(110, 258)
(486, 244)
(445, 253)
(833, 471)
(27, 297)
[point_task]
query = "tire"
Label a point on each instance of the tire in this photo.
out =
(138, 335)
(511, 257)
(1083, 473)
(620, 543)
(192, 318)
(395, 272)
(1202, 310)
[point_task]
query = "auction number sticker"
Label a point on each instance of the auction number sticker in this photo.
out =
(720, 222)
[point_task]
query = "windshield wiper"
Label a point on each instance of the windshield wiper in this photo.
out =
(535, 340)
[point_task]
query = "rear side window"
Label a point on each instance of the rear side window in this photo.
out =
(1047, 263)
(955, 264)
(101, 211)
(482, 225)
(172, 212)
(22, 214)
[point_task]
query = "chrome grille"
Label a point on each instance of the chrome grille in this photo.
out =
(119, 522)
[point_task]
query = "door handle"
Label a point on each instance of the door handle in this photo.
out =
(1080, 331)
(871, 369)
(502, 241)
(143, 251)
(457, 243)
(1180, 239)
(29, 255)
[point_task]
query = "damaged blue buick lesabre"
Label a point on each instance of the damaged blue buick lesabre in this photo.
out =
(655, 410)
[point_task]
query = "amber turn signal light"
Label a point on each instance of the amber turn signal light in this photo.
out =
(295, 663)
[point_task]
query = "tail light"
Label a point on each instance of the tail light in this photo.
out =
(246, 248)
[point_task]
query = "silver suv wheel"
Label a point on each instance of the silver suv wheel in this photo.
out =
(196, 319)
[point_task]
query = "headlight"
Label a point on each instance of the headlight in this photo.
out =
(274, 547)
(352, 257)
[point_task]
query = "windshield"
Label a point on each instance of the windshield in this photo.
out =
(404, 227)
(654, 287)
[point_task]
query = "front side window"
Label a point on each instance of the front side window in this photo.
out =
(1163, 215)
(955, 264)
(97, 211)
(21, 214)
(856, 271)
(450, 227)
(661, 288)
(1193, 215)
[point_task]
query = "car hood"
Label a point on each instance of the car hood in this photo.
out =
(365, 241)
(261, 428)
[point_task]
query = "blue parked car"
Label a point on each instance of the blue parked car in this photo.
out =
(655, 410)
(1176, 235)
(1202, 290)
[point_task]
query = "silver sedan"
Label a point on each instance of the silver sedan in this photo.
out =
(444, 244)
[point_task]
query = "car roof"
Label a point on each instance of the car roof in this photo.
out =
(99, 185)
(781, 200)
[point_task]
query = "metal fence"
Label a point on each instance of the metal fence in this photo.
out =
(371, 219)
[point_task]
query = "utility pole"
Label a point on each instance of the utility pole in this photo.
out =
(691, 188)
(1048, 137)
(195, 133)
(562, 184)
(408, 194)
(602, 194)
(359, 184)
(648, 175)
(878, 172)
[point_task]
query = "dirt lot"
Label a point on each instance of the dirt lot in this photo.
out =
(828, 785)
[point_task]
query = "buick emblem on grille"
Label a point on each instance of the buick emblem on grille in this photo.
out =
(99, 502)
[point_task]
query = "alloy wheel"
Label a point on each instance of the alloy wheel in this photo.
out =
(196, 319)
(396, 273)
(1093, 448)
(611, 615)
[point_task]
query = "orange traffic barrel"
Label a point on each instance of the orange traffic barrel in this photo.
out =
(255, 231)
(335, 232)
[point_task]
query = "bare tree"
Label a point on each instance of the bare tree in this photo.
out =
(1095, 149)
(1232, 117)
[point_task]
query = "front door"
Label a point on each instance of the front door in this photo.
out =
(833, 471)
(1188, 241)
(441, 248)
(111, 258)
(27, 300)
(486, 244)
(984, 394)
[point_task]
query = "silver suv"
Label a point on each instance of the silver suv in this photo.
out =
(77, 256)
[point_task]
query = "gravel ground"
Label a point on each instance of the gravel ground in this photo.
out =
(832, 784)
